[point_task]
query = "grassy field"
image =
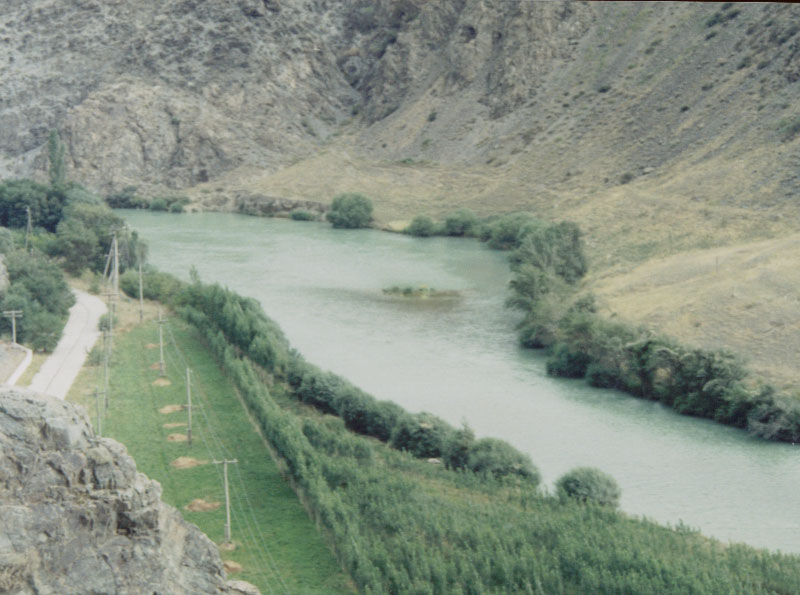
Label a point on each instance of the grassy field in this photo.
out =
(277, 547)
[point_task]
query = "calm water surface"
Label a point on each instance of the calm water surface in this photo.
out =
(458, 358)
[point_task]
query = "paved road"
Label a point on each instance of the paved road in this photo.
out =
(57, 374)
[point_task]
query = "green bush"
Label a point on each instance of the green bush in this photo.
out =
(176, 207)
(421, 226)
(491, 456)
(567, 363)
(423, 435)
(126, 199)
(351, 211)
(461, 223)
(45, 203)
(159, 204)
(506, 232)
(455, 453)
(588, 486)
(302, 215)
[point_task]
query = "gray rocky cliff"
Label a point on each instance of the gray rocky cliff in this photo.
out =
(169, 94)
(76, 516)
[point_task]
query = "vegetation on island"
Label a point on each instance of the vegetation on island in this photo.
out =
(411, 504)
(420, 291)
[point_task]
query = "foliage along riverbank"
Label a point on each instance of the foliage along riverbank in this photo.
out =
(476, 524)
(548, 262)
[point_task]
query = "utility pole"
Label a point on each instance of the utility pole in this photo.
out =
(13, 315)
(189, 404)
(224, 463)
(161, 366)
(141, 293)
(115, 277)
(110, 297)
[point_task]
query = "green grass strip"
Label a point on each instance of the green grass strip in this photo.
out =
(277, 545)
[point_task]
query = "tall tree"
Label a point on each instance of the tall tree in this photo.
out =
(55, 148)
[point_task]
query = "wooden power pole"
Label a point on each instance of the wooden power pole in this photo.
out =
(224, 464)
(161, 366)
(13, 315)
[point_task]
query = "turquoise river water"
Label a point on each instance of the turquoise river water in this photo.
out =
(458, 358)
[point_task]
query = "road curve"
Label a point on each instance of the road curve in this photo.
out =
(59, 371)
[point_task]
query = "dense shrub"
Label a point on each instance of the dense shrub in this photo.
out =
(350, 210)
(456, 449)
(126, 199)
(506, 232)
(567, 363)
(38, 288)
(491, 456)
(421, 226)
(45, 203)
(156, 285)
(461, 223)
(302, 215)
(159, 204)
(423, 435)
(589, 486)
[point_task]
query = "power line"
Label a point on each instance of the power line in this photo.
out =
(260, 542)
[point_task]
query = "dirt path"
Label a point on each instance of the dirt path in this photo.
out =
(80, 333)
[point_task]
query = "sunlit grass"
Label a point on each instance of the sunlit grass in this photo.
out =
(277, 545)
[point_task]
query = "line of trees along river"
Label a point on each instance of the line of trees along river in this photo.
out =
(458, 358)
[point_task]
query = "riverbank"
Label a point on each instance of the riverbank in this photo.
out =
(712, 278)
(459, 361)
(400, 524)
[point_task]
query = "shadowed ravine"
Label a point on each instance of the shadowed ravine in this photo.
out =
(459, 360)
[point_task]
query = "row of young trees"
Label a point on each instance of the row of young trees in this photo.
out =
(399, 524)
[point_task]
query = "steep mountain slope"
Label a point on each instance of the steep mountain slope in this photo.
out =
(660, 127)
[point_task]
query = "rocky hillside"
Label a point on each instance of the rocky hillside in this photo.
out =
(76, 516)
(552, 97)
(661, 128)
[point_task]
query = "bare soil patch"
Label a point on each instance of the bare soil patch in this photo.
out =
(227, 547)
(231, 566)
(187, 462)
(155, 366)
(175, 424)
(151, 346)
(161, 382)
(177, 438)
(170, 409)
(200, 505)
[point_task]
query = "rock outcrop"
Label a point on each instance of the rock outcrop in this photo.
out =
(76, 516)
(168, 94)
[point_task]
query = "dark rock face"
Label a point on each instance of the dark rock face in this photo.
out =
(76, 516)
(171, 93)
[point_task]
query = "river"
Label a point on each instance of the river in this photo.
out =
(458, 358)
